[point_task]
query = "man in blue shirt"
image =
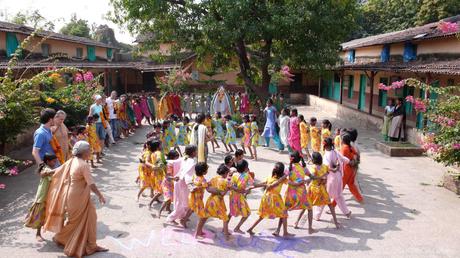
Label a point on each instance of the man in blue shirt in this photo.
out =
(43, 136)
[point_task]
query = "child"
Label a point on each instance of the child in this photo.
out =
(304, 136)
(272, 204)
(167, 184)
(229, 162)
(218, 129)
(208, 122)
(36, 216)
(215, 205)
(246, 140)
(93, 139)
(239, 155)
(182, 133)
(74, 136)
(335, 161)
(295, 197)
(317, 193)
(254, 136)
(241, 182)
(157, 166)
(284, 128)
(156, 133)
(315, 135)
(349, 170)
(199, 184)
(230, 136)
(337, 139)
(326, 128)
(168, 136)
(145, 171)
(137, 111)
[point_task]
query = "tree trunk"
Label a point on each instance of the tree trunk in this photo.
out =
(245, 71)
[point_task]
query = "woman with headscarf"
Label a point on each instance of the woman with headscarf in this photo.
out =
(69, 200)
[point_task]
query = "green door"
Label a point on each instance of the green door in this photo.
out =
(337, 88)
(91, 53)
(419, 123)
(362, 92)
(12, 44)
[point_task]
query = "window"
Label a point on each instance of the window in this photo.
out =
(383, 94)
(79, 52)
(410, 52)
(45, 50)
(385, 54)
(351, 56)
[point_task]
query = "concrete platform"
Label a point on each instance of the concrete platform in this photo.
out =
(398, 149)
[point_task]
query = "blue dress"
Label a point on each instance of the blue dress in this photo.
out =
(269, 129)
(230, 137)
(218, 129)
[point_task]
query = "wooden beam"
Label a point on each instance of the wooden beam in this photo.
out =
(371, 81)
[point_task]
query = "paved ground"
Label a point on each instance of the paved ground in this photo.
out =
(405, 214)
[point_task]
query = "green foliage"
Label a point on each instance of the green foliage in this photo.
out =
(7, 163)
(33, 19)
(381, 16)
(305, 34)
(76, 27)
(442, 133)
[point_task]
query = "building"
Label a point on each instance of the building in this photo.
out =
(48, 49)
(424, 53)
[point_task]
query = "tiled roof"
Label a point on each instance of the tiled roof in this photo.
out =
(427, 31)
(16, 28)
(451, 67)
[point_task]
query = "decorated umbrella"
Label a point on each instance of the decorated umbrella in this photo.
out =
(221, 102)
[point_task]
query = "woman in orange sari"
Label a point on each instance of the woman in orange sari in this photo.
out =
(69, 197)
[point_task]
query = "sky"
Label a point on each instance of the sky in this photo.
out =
(59, 11)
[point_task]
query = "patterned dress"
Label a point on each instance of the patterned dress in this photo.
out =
(215, 205)
(294, 134)
(295, 197)
(325, 133)
(218, 129)
(195, 200)
(304, 135)
(158, 172)
(315, 138)
(238, 204)
(182, 135)
(145, 172)
(230, 137)
(168, 184)
(255, 134)
(338, 142)
(246, 140)
(272, 204)
(37, 213)
(168, 139)
(93, 140)
(317, 193)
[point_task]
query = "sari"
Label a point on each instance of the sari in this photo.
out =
(199, 139)
(69, 198)
(62, 136)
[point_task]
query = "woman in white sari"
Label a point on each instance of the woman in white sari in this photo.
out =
(199, 138)
(397, 128)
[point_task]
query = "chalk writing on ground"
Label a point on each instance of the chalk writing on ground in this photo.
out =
(262, 242)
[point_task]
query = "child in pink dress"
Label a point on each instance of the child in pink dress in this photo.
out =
(137, 111)
(240, 181)
(168, 182)
(294, 132)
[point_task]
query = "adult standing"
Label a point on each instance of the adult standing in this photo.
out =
(60, 131)
(181, 190)
(112, 105)
(69, 201)
(397, 128)
(269, 129)
(199, 133)
(294, 131)
(97, 109)
(43, 136)
(106, 122)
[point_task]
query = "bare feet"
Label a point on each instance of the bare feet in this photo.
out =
(172, 222)
(250, 232)
(337, 225)
(288, 235)
(39, 238)
(348, 215)
(296, 225)
(199, 234)
(276, 233)
(183, 223)
(101, 249)
(237, 230)
(312, 231)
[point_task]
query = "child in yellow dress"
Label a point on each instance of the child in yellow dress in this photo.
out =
(317, 193)
(241, 181)
(255, 135)
(145, 171)
(315, 135)
(272, 204)
(338, 139)
(326, 128)
(156, 164)
(93, 139)
(304, 136)
(215, 205)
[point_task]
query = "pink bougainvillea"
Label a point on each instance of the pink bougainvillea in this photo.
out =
(445, 121)
(448, 27)
(410, 99)
(456, 146)
(2, 186)
(14, 171)
(78, 78)
(88, 76)
(286, 73)
(394, 85)
(419, 105)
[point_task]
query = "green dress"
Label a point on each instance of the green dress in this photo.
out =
(36, 216)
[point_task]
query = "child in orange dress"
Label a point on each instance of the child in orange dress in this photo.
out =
(272, 204)
(317, 193)
(246, 140)
(241, 181)
(304, 136)
(157, 166)
(145, 172)
(315, 136)
(215, 205)
(195, 201)
(168, 181)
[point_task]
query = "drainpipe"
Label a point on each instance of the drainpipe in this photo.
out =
(371, 81)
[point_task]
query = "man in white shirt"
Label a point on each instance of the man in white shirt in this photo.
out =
(112, 104)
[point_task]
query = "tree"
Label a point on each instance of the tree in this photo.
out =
(76, 27)
(435, 10)
(250, 35)
(33, 19)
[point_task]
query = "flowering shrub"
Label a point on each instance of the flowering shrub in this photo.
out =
(442, 133)
(174, 81)
(448, 27)
(9, 166)
(393, 86)
(283, 74)
(74, 99)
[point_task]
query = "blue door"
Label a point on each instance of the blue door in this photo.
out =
(362, 92)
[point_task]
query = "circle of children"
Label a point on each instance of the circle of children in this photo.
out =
(180, 181)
